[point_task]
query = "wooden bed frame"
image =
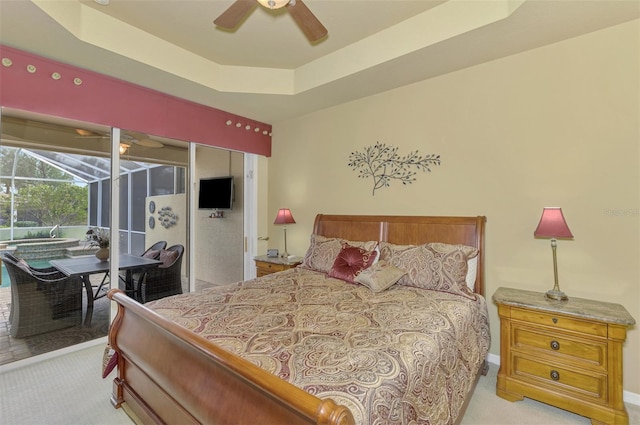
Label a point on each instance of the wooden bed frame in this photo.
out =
(167, 374)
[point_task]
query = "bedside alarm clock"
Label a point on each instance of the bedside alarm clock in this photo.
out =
(272, 253)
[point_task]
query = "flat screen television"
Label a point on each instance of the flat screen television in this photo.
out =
(216, 193)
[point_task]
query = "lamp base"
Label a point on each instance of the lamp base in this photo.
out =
(556, 295)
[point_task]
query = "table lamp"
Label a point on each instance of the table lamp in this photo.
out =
(553, 225)
(284, 217)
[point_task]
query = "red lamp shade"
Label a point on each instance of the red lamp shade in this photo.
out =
(552, 225)
(284, 217)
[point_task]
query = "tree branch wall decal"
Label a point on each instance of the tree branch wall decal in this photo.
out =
(383, 164)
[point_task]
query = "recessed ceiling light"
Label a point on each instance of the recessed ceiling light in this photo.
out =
(102, 2)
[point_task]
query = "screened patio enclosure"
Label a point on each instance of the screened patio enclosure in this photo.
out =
(56, 179)
(138, 180)
(80, 153)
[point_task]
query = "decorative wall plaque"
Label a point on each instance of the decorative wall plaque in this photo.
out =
(384, 164)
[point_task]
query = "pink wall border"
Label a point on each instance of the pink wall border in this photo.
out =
(109, 101)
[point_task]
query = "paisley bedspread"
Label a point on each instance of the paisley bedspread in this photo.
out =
(402, 356)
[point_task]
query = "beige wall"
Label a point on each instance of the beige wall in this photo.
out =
(555, 126)
(176, 234)
(219, 243)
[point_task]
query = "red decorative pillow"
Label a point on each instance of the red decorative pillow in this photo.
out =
(323, 251)
(109, 360)
(350, 262)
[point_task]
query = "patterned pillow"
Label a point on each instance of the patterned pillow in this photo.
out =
(351, 261)
(323, 251)
(379, 276)
(436, 269)
(472, 262)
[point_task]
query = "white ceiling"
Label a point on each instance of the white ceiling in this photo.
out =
(267, 70)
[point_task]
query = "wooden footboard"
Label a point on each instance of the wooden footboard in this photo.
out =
(167, 374)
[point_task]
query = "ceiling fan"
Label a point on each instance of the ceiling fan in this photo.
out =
(308, 23)
(127, 139)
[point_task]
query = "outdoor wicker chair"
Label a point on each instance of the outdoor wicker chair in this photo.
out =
(152, 252)
(46, 272)
(164, 280)
(41, 304)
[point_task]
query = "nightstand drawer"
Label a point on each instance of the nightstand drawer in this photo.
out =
(572, 350)
(271, 267)
(267, 265)
(560, 322)
(591, 386)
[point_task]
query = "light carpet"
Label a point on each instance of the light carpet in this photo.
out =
(69, 390)
(65, 390)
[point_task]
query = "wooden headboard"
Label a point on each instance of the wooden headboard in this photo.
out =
(408, 230)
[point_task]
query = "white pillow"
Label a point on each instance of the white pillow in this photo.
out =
(472, 272)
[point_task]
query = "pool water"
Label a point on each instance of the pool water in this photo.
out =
(6, 281)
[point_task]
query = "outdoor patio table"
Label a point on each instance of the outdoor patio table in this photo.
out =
(87, 265)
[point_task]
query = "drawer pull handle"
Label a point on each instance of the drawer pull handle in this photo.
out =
(555, 320)
(555, 375)
(555, 345)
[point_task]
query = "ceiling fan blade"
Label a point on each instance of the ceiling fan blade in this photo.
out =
(149, 143)
(308, 23)
(232, 17)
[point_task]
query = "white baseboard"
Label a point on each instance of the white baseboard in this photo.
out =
(631, 398)
(627, 396)
(494, 359)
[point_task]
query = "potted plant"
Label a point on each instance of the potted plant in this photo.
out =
(99, 237)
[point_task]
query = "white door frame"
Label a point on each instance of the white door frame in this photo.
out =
(250, 214)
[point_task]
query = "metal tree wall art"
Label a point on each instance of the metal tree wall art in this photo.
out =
(383, 164)
(167, 217)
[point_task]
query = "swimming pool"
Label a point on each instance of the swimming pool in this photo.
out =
(40, 249)
(37, 252)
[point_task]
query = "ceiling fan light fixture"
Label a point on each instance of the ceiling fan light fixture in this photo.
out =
(123, 147)
(273, 4)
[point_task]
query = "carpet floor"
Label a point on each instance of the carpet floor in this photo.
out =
(69, 390)
(65, 390)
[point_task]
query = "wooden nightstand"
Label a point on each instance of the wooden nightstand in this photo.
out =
(267, 265)
(564, 353)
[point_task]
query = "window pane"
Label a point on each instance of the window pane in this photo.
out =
(93, 204)
(124, 202)
(138, 196)
(106, 204)
(181, 180)
(161, 181)
(123, 241)
(137, 243)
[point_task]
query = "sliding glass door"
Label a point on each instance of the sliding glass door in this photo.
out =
(50, 172)
(55, 184)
